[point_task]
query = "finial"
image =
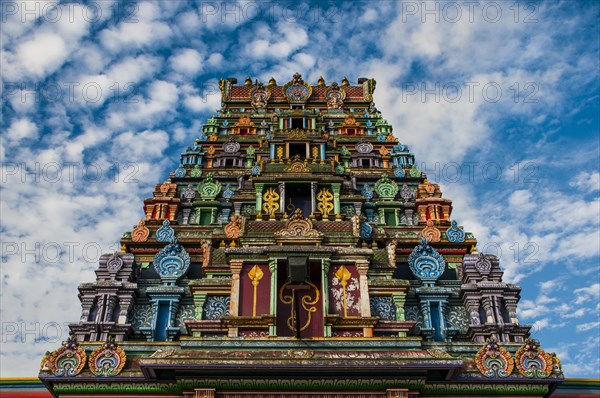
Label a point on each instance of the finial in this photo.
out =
(321, 82)
(272, 81)
(345, 82)
(248, 81)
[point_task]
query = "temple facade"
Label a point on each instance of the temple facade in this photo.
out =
(298, 251)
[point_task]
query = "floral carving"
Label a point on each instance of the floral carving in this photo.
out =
(454, 233)
(493, 361)
(165, 233)
(68, 360)
(210, 188)
(532, 361)
(140, 233)
(386, 188)
(298, 227)
(107, 360)
(431, 233)
(172, 262)
(426, 263)
(235, 227)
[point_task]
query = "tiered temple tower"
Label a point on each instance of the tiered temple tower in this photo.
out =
(298, 251)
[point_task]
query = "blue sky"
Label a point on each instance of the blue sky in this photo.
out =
(498, 101)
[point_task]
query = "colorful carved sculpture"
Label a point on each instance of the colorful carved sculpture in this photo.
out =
(494, 361)
(107, 360)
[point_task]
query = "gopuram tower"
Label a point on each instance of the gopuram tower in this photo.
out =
(298, 251)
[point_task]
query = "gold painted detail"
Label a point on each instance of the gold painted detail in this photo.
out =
(297, 166)
(308, 304)
(255, 276)
(325, 198)
(343, 275)
(270, 201)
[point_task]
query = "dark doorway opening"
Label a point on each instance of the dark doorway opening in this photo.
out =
(298, 149)
(298, 196)
(297, 123)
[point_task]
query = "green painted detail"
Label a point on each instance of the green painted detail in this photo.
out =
(340, 384)
(339, 169)
(250, 151)
(386, 188)
(196, 172)
(145, 264)
(118, 387)
(414, 171)
(210, 188)
(485, 389)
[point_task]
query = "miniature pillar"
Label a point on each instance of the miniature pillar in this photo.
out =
(336, 197)
(325, 263)
(365, 305)
(273, 301)
(234, 303)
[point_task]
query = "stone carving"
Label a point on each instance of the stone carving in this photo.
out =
(140, 233)
(391, 252)
(426, 263)
(325, 201)
(367, 192)
(415, 172)
(366, 230)
(483, 265)
(196, 172)
(180, 172)
(68, 360)
(454, 233)
(406, 193)
(210, 188)
(259, 96)
(493, 361)
(383, 307)
(235, 228)
(215, 307)
(141, 316)
(431, 233)
(457, 318)
(386, 188)
(364, 147)
(297, 166)
(335, 96)
(399, 172)
(228, 192)
(231, 146)
(172, 262)
(165, 233)
(107, 360)
(297, 90)
(189, 193)
(114, 263)
(532, 361)
(298, 227)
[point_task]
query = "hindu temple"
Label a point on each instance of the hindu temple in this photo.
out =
(298, 251)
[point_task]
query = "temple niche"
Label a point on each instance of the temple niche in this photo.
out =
(297, 250)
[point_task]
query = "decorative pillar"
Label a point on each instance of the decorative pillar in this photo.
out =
(336, 197)
(234, 302)
(322, 147)
(281, 189)
(325, 264)
(511, 307)
(259, 190)
(199, 300)
(365, 304)
(489, 311)
(313, 197)
(273, 296)
(399, 300)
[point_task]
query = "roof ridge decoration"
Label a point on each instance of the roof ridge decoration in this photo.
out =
(259, 97)
(297, 91)
(210, 188)
(298, 228)
(172, 262)
(455, 234)
(107, 360)
(165, 233)
(494, 361)
(426, 263)
(532, 361)
(335, 96)
(68, 360)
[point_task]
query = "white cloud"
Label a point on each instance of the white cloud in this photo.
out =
(188, 62)
(588, 182)
(584, 327)
(22, 129)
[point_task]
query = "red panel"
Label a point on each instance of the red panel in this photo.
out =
(310, 305)
(263, 291)
(336, 292)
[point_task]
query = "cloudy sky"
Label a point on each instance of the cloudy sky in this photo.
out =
(499, 102)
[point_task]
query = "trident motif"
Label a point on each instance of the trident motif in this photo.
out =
(343, 275)
(255, 276)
